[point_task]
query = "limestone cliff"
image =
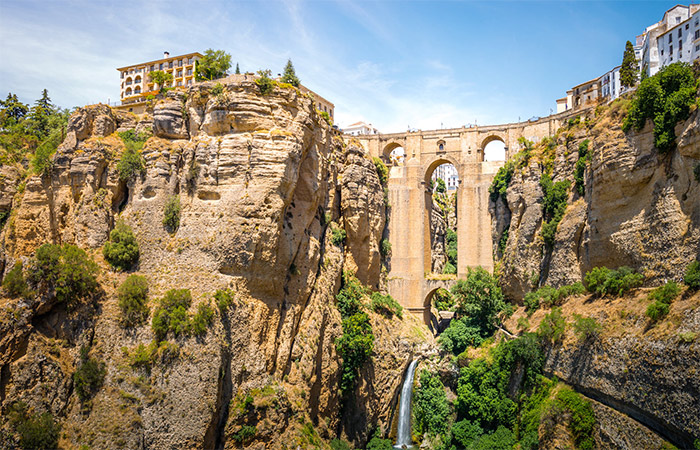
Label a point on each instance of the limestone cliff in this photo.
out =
(258, 178)
(640, 208)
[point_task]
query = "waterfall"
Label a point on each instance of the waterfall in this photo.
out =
(403, 436)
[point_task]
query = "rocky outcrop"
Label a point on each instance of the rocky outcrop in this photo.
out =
(256, 180)
(438, 229)
(640, 208)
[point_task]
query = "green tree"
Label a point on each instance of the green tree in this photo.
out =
(440, 186)
(171, 215)
(36, 431)
(264, 82)
(238, 70)
(629, 68)
(14, 282)
(12, 110)
(289, 75)
(212, 65)
(160, 78)
(66, 269)
(431, 409)
(133, 295)
(479, 297)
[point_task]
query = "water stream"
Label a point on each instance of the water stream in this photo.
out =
(403, 436)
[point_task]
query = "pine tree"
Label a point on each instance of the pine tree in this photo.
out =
(629, 69)
(289, 76)
(238, 70)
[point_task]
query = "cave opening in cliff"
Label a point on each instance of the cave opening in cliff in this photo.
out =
(442, 185)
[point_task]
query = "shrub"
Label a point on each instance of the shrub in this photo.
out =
(355, 347)
(664, 98)
(171, 215)
(171, 314)
(349, 298)
(665, 293)
(459, 335)
(338, 236)
(449, 269)
(224, 299)
(385, 304)
(443, 301)
(66, 269)
(692, 275)
(245, 434)
(385, 248)
(503, 241)
(327, 118)
(217, 89)
(430, 407)
(552, 327)
(14, 282)
(377, 443)
(133, 294)
(500, 182)
(36, 431)
(202, 319)
(586, 328)
(382, 170)
(553, 206)
(131, 162)
(657, 311)
(548, 296)
(582, 417)
(264, 82)
(88, 377)
(603, 281)
(339, 444)
(122, 249)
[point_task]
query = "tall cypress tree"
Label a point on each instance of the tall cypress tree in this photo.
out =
(238, 70)
(289, 76)
(629, 69)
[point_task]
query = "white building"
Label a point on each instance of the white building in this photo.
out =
(674, 38)
(610, 84)
(359, 128)
(448, 174)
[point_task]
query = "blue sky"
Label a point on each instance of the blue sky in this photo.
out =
(395, 64)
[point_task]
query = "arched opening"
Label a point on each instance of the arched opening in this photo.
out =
(137, 79)
(137, 90)
(394, 154)
(439, 309)
(493, 149)
(128, 81)
(128, 91)
(440, 249)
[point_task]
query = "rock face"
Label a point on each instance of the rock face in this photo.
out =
(257, 178)
(640, 208)
(438, 229)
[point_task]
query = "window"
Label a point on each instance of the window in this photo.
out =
(670, 38)
(662, 52)
(189, 72)
(179, 73)
(687, 25)
(678, 20)
(697, 48)
(697, 34)
(170, 65)
(680, 45)
(137, 90)
(680, 33)
(670, 50)
(179, 83)
(161, 66)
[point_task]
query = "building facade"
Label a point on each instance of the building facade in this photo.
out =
(135, 84)
(676, 37)
(360, 128)
(322, 104)
(610, 87)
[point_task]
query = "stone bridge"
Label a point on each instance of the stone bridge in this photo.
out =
(410, 199)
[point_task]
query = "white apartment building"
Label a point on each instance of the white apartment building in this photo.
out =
(448, 174)
(672, 39)
(360, 128)
(610, 87)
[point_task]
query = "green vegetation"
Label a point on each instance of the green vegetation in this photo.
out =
(161, 78)
(217, 89)
(382, 170)
(377, 443)
(385, 304)
(131, 162)
(143, 357)
(603, 281)
(552, 327)
(553, 206)
(385, 248)
(133, 295)
(122, 249)
(88, 376)
(500, 182)
(338, 236)
(440, 186)
(224, 299)
(503, 241)
(326, 117)
(36, 431)
(264, 82)
(430, 407)
(582, 417)
(547, 296)
(478, 303)
(31, 132)
(14, 282)
(171, 316)
(692, 275)
(212, 65)
(662, 297)
(66, 269)
(581, 163)
(443, 301)
(357, 342)
(339, 444)
(289, 75)
(586, 328)
(629, 68)
(666, 99)
(451, 244)
(245, 434)
(238, 69)
(171, 214)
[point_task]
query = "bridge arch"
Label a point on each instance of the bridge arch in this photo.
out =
(493, 148)
(390, 153)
